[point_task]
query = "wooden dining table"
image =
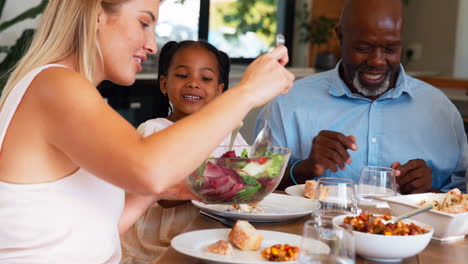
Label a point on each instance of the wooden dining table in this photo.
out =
(454, 252)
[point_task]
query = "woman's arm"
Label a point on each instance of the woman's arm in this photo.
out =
(80, 124)
(136, 204)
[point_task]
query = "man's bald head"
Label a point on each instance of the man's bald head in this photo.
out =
(357, 12)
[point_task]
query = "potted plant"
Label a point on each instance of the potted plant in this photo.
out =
(15, 52)
(319, 33)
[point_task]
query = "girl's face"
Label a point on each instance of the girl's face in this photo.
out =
(126, 38)
(192, 80)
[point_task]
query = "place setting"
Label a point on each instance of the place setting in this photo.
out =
(374, 184)
(273, 208)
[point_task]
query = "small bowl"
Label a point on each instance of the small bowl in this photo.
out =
(389, 248)
(239, 180)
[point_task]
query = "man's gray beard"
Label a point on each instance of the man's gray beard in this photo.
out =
(371, 92)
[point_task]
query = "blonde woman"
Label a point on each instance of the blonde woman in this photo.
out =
(67, 157)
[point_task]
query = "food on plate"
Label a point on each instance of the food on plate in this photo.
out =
(232, 179)
(368, 223)
(453, 202)
(311, 188)
(280, 252)
(252, 208)
(453, 197)
(323, 192)
(244, 236)
(222, 247)
(435, 204)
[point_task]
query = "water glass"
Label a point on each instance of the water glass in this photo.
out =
(336, 196)
(376, 183)
(324, 243)
(466, 181)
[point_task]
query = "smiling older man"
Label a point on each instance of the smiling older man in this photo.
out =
(368, 111)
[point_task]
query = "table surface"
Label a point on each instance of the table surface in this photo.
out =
(454, 252)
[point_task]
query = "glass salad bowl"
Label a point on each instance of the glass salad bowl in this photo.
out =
(235, 178)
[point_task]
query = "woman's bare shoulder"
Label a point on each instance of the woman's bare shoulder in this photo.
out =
(63, 84)
(59, 77)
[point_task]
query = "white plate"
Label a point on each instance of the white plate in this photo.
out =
(194, 243)
(298, 191)
(276, 207)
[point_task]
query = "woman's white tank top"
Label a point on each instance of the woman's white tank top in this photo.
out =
(71, 220)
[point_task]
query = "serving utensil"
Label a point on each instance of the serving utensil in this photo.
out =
(263, 139)
(222, 220)
(234, 135)
(409, 214)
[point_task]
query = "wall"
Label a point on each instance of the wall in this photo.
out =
(330, 9)
(12, 9)
(461, 42)
(300, 49)
(430, 27)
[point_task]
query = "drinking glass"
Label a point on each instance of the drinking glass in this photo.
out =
(466, 181)
(324, 243)
(376, 183)
(336, 196)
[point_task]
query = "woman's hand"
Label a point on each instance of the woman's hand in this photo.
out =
(136, 205)
(179, 191)
(266, 77)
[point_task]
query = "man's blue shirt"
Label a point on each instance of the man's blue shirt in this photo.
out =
(414, 120)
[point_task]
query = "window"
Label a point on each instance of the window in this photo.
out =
(244, 29)
(182, 26)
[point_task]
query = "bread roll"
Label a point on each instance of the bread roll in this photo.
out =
(221, 247)
(244, 236)
(434, 203)
(309, 189)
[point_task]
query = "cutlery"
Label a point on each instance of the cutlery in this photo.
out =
(224, 221)
(263, 139)
(409, 214)
(234, 135)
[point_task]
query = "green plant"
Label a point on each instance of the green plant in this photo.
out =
(16, 51)
(257, 16)
(318, 32)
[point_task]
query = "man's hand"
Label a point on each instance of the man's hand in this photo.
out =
(413, 177)
(329, 151)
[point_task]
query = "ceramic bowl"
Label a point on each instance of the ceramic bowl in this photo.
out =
(446, 226)
(389, 248)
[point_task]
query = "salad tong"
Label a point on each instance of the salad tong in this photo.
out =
(222, 220)
(409, 214)
(263, 139)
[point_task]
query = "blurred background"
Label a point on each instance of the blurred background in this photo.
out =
(435, 42)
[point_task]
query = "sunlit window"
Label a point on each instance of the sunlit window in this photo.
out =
(244, 29)
(182, 26)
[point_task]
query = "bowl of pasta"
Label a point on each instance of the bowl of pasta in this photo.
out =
(388, 242)
(449, 216)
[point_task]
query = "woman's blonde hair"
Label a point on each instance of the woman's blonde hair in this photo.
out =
(67, 28)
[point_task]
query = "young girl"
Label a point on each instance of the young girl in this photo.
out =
(67, 156)
(191, 74)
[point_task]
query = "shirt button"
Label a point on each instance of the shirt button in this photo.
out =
(374, 140)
